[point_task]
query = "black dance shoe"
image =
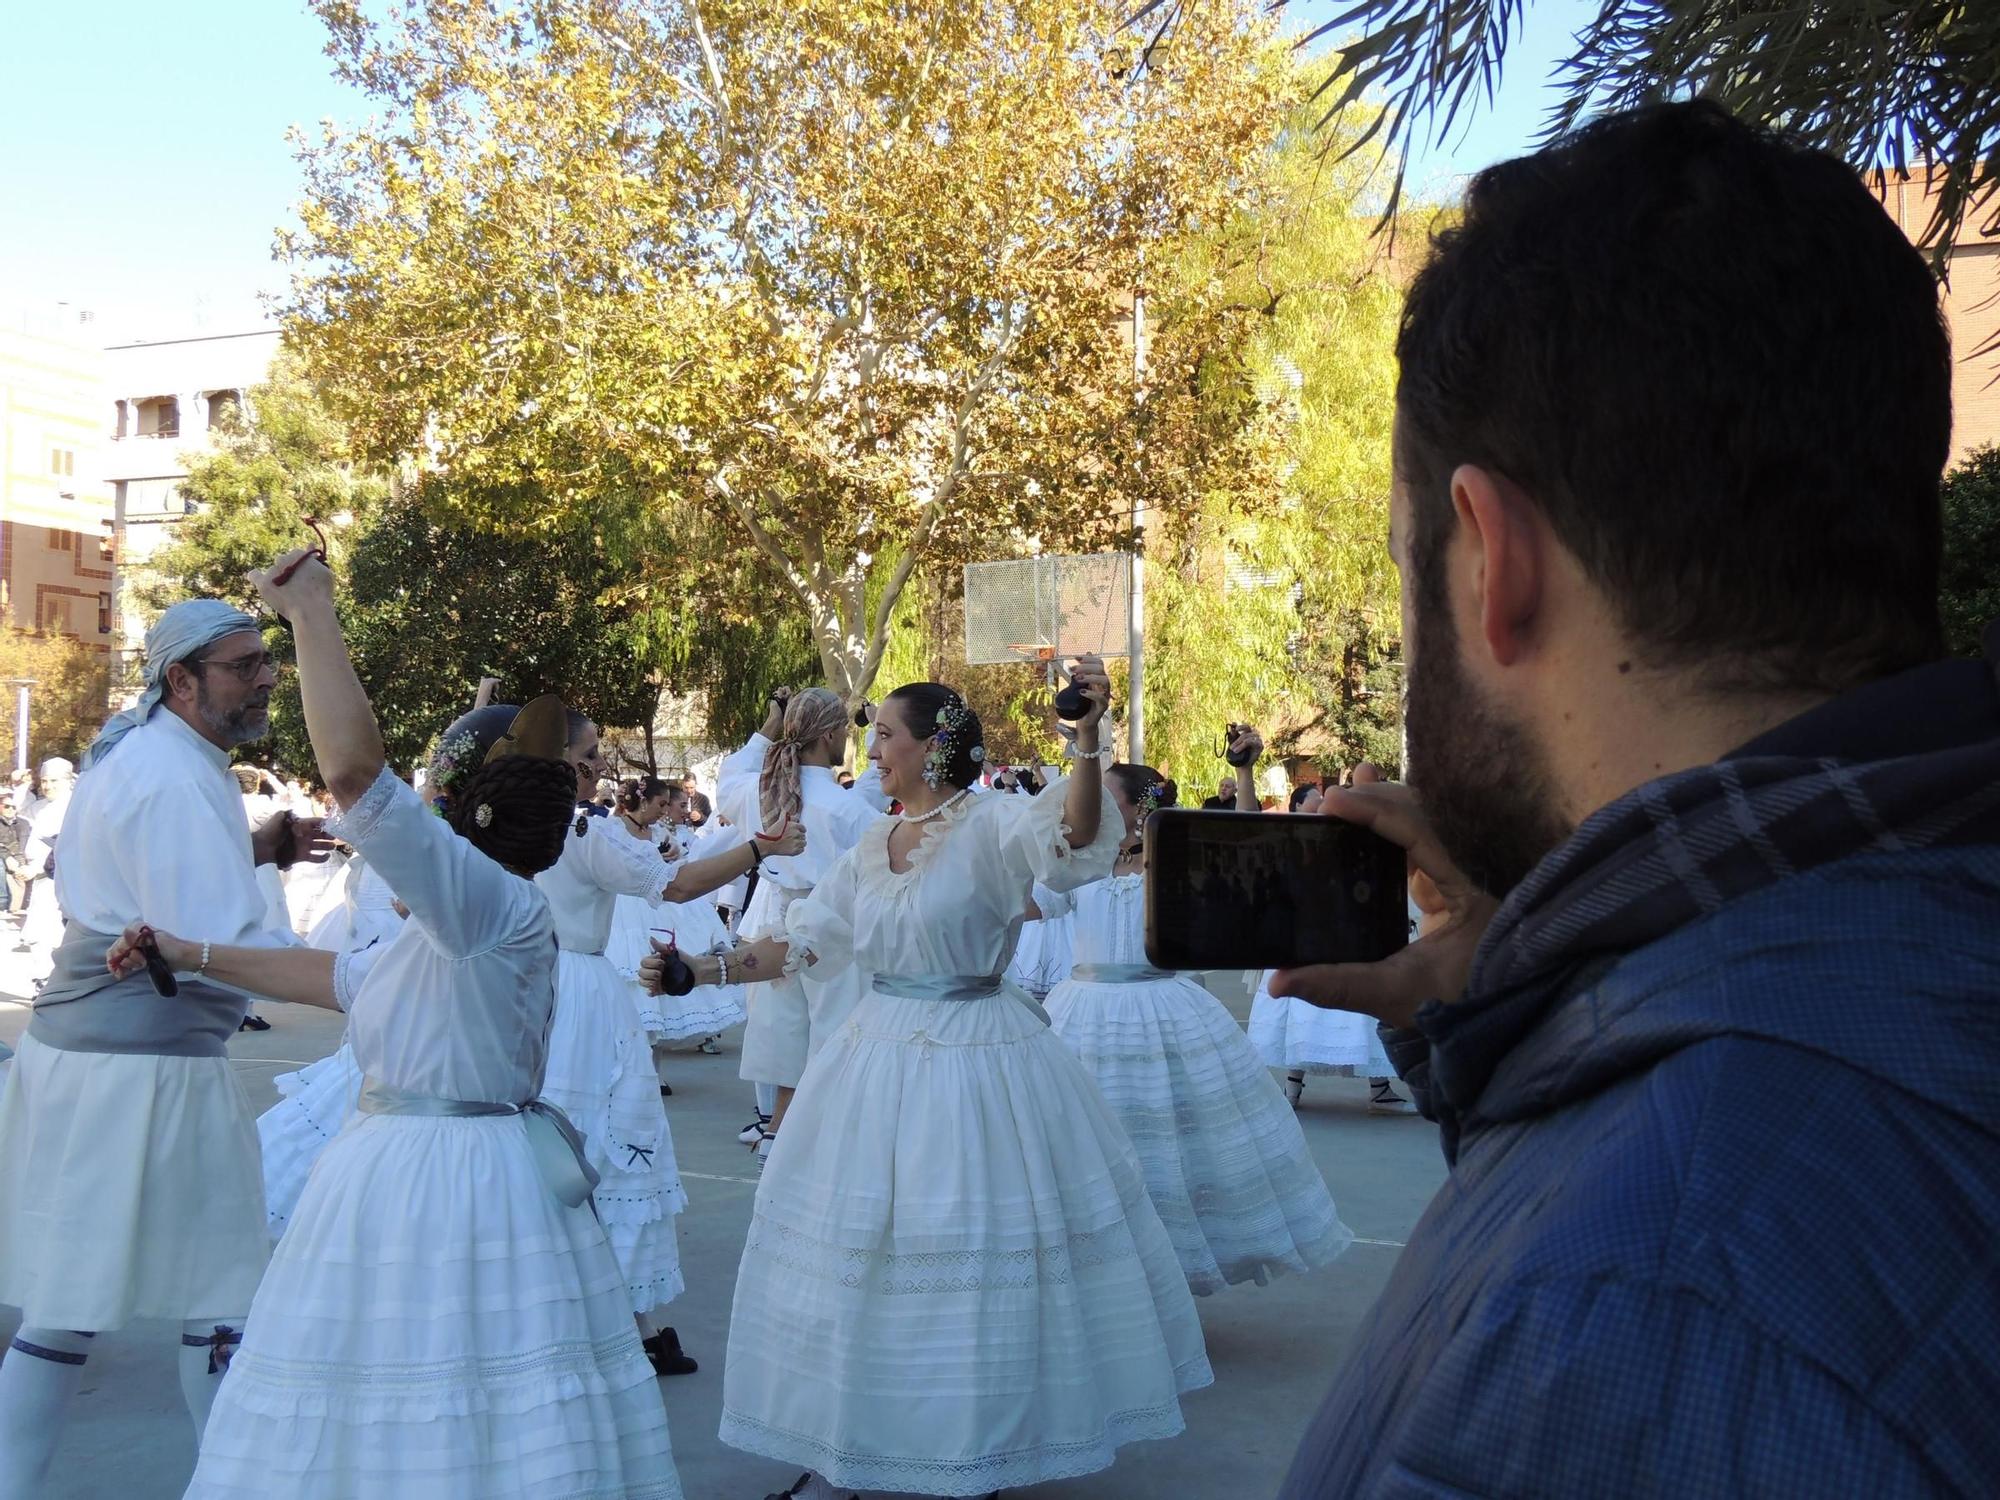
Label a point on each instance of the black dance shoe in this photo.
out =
(664, 1350)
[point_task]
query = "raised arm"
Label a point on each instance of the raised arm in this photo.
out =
(1086, 783)
(697, 877)
(339, 720)
(1247, 742)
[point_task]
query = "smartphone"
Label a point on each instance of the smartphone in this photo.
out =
(1232, 890)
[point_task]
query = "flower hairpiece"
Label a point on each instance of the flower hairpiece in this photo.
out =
(452, 758)
(952, 720)
(1151, 798)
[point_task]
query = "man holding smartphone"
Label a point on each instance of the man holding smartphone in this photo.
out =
(1708, 847)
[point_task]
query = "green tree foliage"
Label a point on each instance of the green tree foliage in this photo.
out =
(1969, 596)
(1285, 613)
(67, 704)
(433, 607)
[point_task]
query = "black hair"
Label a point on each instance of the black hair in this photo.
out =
(922, 703)
(1138, 781)
(637, 792)
(1299, 794)
(528, 800)
(1719, 369)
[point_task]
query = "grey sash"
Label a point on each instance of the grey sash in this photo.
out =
(84, 1008)
(1119, 973)
(558, 1146)
(938, 986)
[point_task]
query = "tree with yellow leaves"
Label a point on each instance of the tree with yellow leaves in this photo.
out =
(856, 275)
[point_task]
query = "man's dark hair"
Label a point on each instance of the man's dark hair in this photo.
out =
(1720, 370)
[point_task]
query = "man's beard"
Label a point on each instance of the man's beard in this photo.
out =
(249, 720)
(1485, 783)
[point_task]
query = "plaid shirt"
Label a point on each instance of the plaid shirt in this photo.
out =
(1723, 1109)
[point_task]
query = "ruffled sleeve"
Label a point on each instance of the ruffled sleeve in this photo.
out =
(1034, 839)
(1052, 903)
(819, 929)
(351, 971)
(465, 902)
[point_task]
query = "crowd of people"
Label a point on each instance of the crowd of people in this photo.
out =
(1704, 851)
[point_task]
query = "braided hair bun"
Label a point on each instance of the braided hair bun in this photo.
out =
(503, 783)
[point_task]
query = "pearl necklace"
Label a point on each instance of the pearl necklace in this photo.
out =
(943, 807)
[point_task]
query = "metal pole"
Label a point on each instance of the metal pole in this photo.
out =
(1135, 624)
(21, 725)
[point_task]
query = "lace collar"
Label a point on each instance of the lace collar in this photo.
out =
(935, 831)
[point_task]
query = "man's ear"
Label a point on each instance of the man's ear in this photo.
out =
(1498, 518)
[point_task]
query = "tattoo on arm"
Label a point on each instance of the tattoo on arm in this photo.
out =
(750, 961)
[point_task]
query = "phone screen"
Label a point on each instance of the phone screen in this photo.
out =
(1261, 891)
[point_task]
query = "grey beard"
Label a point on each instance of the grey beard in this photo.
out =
(235, 727)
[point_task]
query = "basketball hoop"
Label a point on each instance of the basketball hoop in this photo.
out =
(1046, 655)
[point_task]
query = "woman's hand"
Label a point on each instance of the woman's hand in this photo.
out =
(1245, 748)
(307, 590)
(126, 959)
(1089, 678)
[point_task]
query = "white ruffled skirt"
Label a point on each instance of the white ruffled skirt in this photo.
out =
(600, 1073)
(1044, 954)
(435, 1324)
(129, 1188)
(954, 1280)
(313, 1105)
(1224, 1158)
(1298, 1037)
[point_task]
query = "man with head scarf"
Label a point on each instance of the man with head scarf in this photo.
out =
(785, 772)
(129, 1177)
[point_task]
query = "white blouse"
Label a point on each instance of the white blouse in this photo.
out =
(458, 1005)
(598, 866)
(1111, 921)
(958, 908)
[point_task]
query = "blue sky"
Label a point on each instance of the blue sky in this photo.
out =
(143, 165)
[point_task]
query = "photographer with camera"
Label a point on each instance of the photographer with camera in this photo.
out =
(1705, 832)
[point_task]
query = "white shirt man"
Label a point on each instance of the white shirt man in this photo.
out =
(129, 1177)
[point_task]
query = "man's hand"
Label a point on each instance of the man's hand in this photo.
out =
(1455, 917)
(285, 840)
(791, 839)
(774, 718)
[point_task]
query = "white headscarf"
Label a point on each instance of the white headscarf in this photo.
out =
(188, 627)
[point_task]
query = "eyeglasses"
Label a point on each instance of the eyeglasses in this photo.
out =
(246, 668)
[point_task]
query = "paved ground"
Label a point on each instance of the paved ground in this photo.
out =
(1273, 1348)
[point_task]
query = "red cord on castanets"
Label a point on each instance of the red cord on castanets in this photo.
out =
(783, 829)
(292, 567)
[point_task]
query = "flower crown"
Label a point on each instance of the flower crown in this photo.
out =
(952, 721)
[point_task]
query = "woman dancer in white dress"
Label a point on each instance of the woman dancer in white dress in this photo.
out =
(1291, 1034)
(438, 1324)
(653, 812)
(600, 1067)
(954, 1281)
(1224, 1158)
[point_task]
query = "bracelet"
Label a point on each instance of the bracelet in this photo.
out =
(722, 970)
(1103, 752)
(756, 854)
(202, 967)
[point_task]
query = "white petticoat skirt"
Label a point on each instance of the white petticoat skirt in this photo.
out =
(600, 1073)
(954, 1280)
(436, 1326)
(697, 928)
(1224, 1158)
(129, 1188)
(1045, 954)
(1293, 1035)
(313, 1104)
